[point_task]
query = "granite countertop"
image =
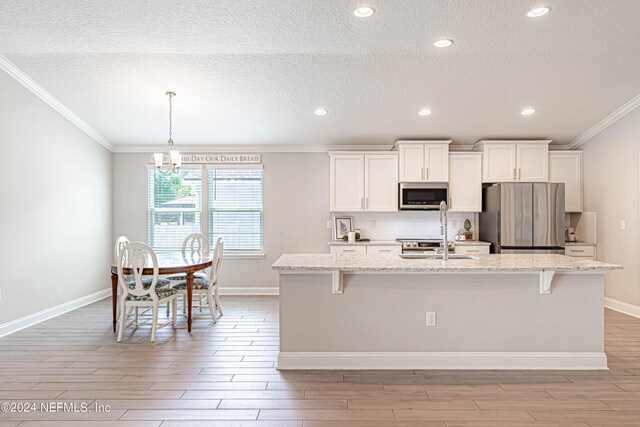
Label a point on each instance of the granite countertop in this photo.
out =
(579, 243)
(480, 263)
(367, 243)
(396, 243)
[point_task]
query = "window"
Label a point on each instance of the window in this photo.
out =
(230, 200)
(235, 209)
(175, 207)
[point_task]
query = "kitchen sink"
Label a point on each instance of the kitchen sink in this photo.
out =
(435, 256)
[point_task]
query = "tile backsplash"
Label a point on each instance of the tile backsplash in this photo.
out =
(408, 224)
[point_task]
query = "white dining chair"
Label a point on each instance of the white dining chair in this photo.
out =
(208, 287)
(194, 243)
(137, 256)
(121, 242)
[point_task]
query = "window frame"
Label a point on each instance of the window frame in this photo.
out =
(205, 203)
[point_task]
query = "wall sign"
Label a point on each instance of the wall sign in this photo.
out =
(212, 158)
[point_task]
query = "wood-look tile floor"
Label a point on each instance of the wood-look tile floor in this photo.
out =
(224, 375)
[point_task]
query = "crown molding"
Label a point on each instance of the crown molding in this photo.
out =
(284, 148)
(18, 75)
(632, 104)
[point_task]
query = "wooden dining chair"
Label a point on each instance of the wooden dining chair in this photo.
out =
(137, 256)
(208, 287)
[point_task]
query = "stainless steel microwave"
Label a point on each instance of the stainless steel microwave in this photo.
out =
(422, 196)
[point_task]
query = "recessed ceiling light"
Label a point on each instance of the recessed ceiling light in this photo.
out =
(538, 11)
(364, 11)
(443, 43)
(424, 112)
(320, 112)
(528, 111)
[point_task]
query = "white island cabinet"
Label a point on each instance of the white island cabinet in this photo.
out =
(424, 161)
(566, 167)
(487, 312)
(515, 161)
(364, 182)
(465, 182)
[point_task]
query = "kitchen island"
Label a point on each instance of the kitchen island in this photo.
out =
(487, 312)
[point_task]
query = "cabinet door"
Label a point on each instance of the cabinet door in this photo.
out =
(347, 183)
(411, 162)
(465, 182)
(436, 162)
(533, 163)
(381, 182)
(499, 163)
(567, 168)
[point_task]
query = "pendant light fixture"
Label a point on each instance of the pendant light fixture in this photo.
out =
(174, 155)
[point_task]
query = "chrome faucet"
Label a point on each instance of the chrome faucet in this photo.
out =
(443, 230)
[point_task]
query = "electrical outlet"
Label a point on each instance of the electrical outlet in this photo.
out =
(623, 225)
(329, 224)
(431, 318)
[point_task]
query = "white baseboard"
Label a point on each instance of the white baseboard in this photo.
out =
(49, 313)
(622, 307)
(254, 290)
(449, 360)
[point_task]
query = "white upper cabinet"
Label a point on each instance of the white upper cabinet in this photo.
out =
(436, 162)
(411, 162)
(364, 182)
(381, 182)
(499, 163)
(424, 161)
(347, 183)
(465, 182)
(566, 167)
(515, 161)
(533, 162)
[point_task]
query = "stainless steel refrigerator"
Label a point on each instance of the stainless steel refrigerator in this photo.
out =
(523, 217)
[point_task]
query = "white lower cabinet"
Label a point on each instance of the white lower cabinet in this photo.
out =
(367, 249)
(586, 251)
(472, 249)
(355, 249)
(384, 250)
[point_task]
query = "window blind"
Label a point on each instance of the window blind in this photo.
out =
(175, 207)
(235, 209)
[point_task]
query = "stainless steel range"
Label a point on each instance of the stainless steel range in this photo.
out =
(422, 246)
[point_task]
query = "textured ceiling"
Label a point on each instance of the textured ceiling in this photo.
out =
(253, 72)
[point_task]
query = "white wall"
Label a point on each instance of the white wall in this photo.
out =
(611, 189)
(55, 215)
(296, 200)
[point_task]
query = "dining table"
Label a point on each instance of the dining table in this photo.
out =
(169, 263)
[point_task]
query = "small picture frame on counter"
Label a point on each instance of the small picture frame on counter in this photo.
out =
(341, 226)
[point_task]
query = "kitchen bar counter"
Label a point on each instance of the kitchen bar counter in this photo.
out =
(479, 263)
(491, 312)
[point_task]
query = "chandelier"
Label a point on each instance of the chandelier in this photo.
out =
(174, 155)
